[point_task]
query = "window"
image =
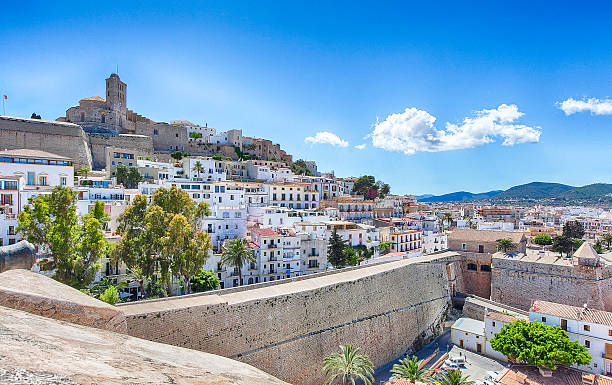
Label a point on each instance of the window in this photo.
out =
(481, 248)
(472, 266)
(543, 319)
(463, 246)
(42, 180)
(587, 344)
(485, 268)
(493, 323)
(63, 180)
(587, 328)
(31, 179)
(103, 119)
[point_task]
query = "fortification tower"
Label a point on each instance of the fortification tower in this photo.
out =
(116, 92)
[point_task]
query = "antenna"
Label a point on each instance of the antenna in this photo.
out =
(117, 69)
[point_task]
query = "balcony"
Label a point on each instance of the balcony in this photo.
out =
(272, 259)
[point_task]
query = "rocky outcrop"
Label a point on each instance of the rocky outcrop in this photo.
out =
(42, 351)
(38, 294)
(21, 255)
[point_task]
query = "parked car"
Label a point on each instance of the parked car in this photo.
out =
(458, 360)
(491, 376)
(449, 365)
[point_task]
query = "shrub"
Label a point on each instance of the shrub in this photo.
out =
(110, 295)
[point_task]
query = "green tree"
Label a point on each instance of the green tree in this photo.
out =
(128, 176)
(347, 366)
(598, 246)
(409, 369)
(608, 239)
(351, 256)
(237, 255)
(83, 171)
(563, 244)
(178, 155)
(335, 251)
(205, 280)
(163, 237)
(454, 377)
(110, 295)
(35, 116)
(74, 246)
(573, 229)
(385, 246)
(198, 167)
(505, 244)
(185, 248)
(543, 239)
(540, 345)
(195, 135)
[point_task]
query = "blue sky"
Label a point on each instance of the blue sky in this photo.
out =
(289, 70)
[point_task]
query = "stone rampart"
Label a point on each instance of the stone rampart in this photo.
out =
(100, 142)
(59, 138)
(287, 329)
(518, 283)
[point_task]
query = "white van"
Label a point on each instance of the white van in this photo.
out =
(458, 360)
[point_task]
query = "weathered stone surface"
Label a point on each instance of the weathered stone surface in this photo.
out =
(42, 351)
(38, 294)
(21, 255)
(288, 328)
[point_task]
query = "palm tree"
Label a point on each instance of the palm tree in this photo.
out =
(347, 366)
(198, 167)
(447, 218)
(454, 377)
(237, 255)
(505, 244)
(608, 239)
(84, 171)
(409, 369)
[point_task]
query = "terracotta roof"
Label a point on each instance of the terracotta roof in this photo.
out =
(265, 232)
(529, 375)
(484, 235)
(573, 312)
(93, 99)
(586, 251)
(32, 154)
(394, 381)
(501, 317)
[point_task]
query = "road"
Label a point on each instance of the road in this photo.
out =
(442, 342)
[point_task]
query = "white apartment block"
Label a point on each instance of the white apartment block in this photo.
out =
(278, 254)
(225, 222)
(292, 196)
(211, 170)
(405, 239)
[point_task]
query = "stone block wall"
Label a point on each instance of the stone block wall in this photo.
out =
(64, 139)
(100, 142)
(288, 329)
(518, 283)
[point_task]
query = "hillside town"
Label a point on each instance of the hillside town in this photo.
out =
(151, 217)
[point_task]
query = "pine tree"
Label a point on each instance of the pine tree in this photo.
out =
(335, 251)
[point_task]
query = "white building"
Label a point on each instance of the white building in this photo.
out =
(589, 327)
(39, 169)
(434, 242)
(210, 170)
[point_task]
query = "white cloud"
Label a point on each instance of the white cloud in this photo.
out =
(326, 137)
(414, 130)
(596, 106)
(360, 146)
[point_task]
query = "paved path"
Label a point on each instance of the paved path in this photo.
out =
(442, 342)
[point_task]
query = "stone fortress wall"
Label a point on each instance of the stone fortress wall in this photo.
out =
(60, 138)
(518, 283)
(286, 329)
(98, 143)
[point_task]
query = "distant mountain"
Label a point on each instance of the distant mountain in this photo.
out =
(591, 192)
(460, 196)
(419, 197)
(533, 190)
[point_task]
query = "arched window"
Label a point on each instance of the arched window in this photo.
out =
(251, 281)
(103, 118)
(472, 266)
